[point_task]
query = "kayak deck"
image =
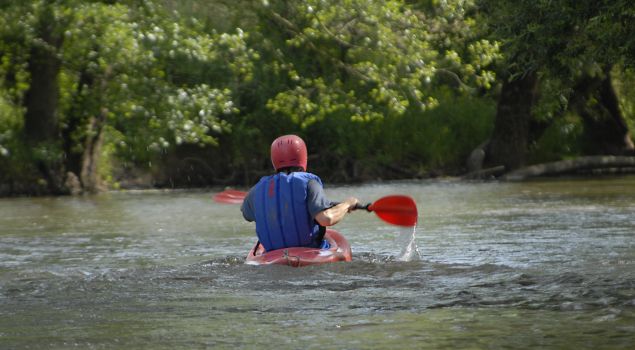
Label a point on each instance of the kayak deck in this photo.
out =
(339, 250)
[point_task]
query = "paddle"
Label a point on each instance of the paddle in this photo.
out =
(230, 197)
(394, 209)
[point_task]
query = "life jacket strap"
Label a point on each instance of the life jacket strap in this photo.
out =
(319, 237)
(256, 247)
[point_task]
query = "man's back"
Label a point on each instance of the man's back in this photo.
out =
(279, 205)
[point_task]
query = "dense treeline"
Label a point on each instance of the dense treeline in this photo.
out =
(190, 93)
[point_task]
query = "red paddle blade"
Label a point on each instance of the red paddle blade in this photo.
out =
(230, 197)
(396, 209)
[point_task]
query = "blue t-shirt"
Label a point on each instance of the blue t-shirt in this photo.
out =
(316, 201)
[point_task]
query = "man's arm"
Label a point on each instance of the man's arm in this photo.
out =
(333, 215)
(248, 208)
(323, 210)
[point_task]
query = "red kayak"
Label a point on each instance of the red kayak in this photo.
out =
(339, 250)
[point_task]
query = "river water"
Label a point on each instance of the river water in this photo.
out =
(548, 264)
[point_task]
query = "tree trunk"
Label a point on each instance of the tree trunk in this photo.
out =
(41, 127)
(511, 135)
(616, 164)
(76, 124)
(85, 124)
(605, 129)
(90, 178)
(40, 100)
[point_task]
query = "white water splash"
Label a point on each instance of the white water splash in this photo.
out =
(406, 238)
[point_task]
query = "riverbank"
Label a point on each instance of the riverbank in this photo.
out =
(138, 179)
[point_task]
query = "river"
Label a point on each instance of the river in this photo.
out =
(547, 264)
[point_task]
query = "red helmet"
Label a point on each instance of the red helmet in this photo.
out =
(288, 151)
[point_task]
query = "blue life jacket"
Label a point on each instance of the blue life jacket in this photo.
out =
(282, 213)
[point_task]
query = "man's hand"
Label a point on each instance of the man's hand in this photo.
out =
(333, 215)
(352, 203)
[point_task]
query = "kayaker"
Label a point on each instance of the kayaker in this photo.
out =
(289, 207)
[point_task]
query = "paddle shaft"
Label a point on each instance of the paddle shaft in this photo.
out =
(395, 209)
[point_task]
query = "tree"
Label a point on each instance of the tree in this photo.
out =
(369, 59)
(337, 71)
(605, 130)
(126, 72)
(32, 38)
(564, 41)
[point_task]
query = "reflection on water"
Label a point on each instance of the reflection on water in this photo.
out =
(492, 265)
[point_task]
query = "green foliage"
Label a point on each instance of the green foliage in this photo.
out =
(560, 140)
(370, 60)
(13, 80)
(435, 141)
(154, 76)
(564, 38)
(565, 42)
(9, 123)
(443, 137)
(153, 73)
(375, 87)
(626, 91)
(564, 136)
(353, 77)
